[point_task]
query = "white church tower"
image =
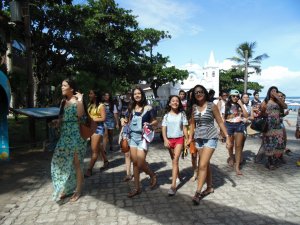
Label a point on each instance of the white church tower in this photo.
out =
(211, 75)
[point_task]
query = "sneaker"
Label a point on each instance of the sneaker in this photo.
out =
(172, 191)
(178, 181)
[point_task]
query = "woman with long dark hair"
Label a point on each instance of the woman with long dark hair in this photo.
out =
(174, 132)
(235, 118)
(202, 129)
(111, 122)
(96, 111)
(142, 115)
(67, 160)
(273, 139)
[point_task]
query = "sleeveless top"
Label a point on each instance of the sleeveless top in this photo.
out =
(204, 123)
(94, 111)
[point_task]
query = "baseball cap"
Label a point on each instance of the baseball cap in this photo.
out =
(234, 92)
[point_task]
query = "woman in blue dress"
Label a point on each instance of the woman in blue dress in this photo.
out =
(67, 161)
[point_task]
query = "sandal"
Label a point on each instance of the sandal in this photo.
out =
(207, 192)
(197, 197)
(153, 182)
(230, 161)
(88, 173)
(105, 165)
(75, 196)
(134, 192)
(127, 178)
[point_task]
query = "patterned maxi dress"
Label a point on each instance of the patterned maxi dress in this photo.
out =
(273, 139)
(70, 142)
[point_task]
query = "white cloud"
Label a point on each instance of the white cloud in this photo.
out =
(166, 15)
(285, 80)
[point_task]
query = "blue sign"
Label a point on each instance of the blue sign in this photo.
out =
(4, 105)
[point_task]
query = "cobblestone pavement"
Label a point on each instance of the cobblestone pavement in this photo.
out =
(259, 197)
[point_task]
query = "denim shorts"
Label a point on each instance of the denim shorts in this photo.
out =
(109, 124)
(136, 141)
(235, 128)
(100, 129)
(209, 143)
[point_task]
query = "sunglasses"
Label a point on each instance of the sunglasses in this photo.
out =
(224, 95)
(199, 92)
(234, 96)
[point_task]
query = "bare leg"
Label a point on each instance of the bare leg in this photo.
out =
(238, 151)
(204, 173)
(194, 165)
(110, 138)
(175, 167)
(230, 160)
(95, 146)
(128, 164)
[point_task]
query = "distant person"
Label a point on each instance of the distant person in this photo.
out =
(235, 114)
(96, 110)
(124, 118)
(222, 102)
(273, 139)
(256, 100)
(211, 95)
(297, 133)
(67, 160)
(111, 122)
(182, 96)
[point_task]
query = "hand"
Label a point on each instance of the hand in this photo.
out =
(79, 96)
(228, 143)
(55, 123)
(124, 121)
(240, 102)
(167, 143)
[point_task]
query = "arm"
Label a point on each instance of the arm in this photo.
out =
(102, 114)
(116, 116)
(221, 124)
(279, 101)
(192, 128)
(164, 134)
(245, 113)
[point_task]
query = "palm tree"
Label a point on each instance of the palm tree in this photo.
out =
(245, 59)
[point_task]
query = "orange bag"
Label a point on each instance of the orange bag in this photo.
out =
(124, 145)
(193, 147)
(87, 129)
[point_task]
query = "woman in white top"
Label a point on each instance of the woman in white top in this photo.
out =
(174, 130)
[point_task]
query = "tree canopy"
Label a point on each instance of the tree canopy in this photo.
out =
(234, 79)
(98, 43)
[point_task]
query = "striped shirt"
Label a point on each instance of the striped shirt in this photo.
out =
(204, 122)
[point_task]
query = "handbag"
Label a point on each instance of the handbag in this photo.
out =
(124, 145)
(260, 124)
(87, 127)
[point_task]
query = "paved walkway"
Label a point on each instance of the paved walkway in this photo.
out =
(259, 197)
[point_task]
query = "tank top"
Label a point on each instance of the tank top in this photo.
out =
(204, 123)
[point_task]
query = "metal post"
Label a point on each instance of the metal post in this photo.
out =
(30, 87)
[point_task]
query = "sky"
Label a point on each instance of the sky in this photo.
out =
(198, 27)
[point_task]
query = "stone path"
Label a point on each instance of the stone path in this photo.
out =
(259, 197)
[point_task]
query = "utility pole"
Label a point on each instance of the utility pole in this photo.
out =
(246, 71)
(30, 81)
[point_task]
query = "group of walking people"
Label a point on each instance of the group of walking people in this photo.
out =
(188, 123)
